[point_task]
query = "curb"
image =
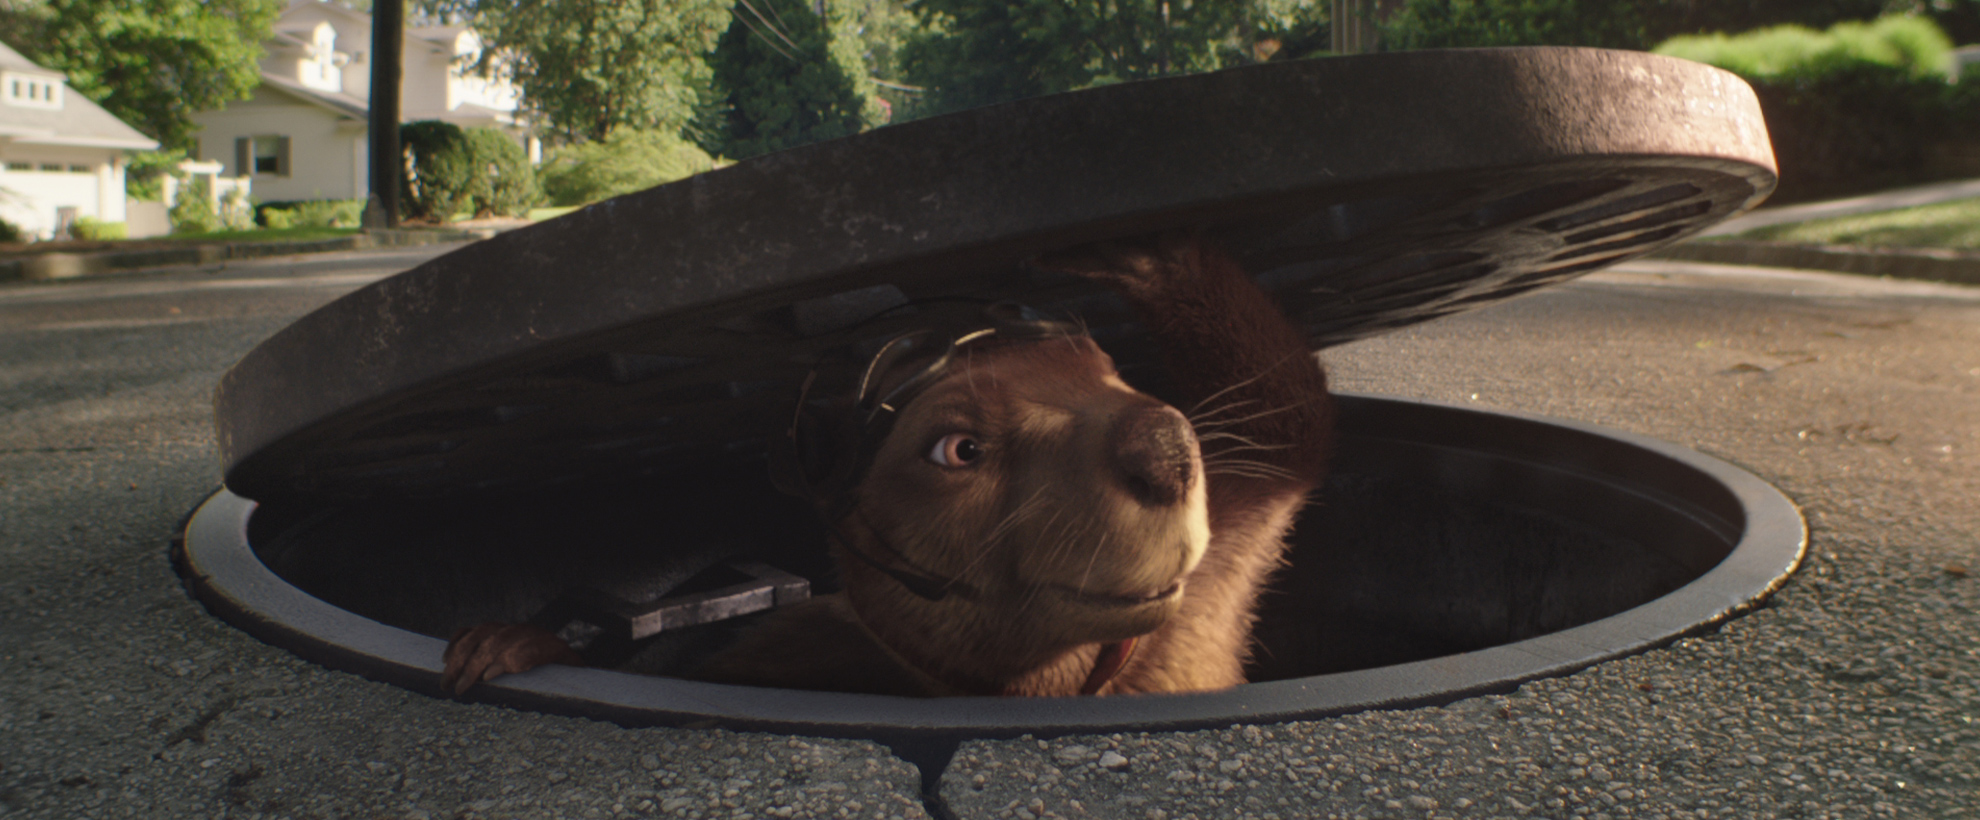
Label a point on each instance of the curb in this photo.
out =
(60, 265)
(1958, 267)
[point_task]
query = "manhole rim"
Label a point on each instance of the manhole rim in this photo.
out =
(214, 557)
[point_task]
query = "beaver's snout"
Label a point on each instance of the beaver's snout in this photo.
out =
(1154, 453)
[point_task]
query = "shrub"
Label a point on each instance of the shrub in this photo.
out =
(236, 211)
(315, 213)
(508, 187)
(193, 212)
(441, 171)
(91, 229)
(1849, 108)
(626, 161)
(1912, 45)
(9, 232)
(478, 169)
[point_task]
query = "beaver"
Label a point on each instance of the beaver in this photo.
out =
(1029, 524)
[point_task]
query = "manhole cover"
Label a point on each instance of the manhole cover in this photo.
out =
(463, 440)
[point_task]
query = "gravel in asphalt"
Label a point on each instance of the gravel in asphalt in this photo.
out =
(1852, 695)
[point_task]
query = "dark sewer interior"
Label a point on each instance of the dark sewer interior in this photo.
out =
(1418, 546)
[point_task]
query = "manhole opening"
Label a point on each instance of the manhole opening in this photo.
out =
(1452, 552)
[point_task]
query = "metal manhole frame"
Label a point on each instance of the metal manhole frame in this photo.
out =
(217, 562)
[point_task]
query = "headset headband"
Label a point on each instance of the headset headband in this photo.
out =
(873, 418)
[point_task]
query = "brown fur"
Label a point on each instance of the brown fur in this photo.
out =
(1090, 516)
(1045, 406)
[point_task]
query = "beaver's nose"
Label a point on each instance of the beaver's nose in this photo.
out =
(1155, 454)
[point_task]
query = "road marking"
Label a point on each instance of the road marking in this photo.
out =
(126, 324)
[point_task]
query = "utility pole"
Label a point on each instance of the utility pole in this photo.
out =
(1353, 27)
(388, 31)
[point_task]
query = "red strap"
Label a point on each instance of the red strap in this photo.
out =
(1113, 657)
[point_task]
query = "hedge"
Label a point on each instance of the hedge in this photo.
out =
(626, 161)
(1851, 108)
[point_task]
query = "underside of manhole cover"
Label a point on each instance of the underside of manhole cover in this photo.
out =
(575, 414)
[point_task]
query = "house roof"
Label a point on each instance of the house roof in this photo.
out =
(338, 102)
(79, 122)
(335, 8)
(287, 40)
(443, 35)
(13, 61)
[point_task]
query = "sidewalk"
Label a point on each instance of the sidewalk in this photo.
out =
(69, 264)
(1868, 203)
(1936, 264)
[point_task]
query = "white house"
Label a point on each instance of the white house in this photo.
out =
(61, 155)
(303, 134)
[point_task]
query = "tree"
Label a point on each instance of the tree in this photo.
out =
(972, 53)
(150, 62)
(791, 77)
(586, 67)
(1959, 18)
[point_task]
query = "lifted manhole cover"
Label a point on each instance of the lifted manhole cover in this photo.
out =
(585, 401)
(1366, 193)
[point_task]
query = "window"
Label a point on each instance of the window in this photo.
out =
(52, 167)
(268, 155)
(20, 166)
(79, 169)
(261, 155)
(30, 91)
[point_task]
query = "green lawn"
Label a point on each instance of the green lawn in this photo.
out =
(282, 235)
(540, 214)
(1953, 224)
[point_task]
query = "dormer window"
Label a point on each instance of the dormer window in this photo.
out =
(31, 90)
(325, 67)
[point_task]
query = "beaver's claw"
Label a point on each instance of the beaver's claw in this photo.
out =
(491, 649)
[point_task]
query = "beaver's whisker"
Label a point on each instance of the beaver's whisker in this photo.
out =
(1227, 437)
(1069, 336)
(989, 542)
(1262, 448)
(1204, 416)
(1011, 519)
(1091, 559)
(1071, 535)
(1243, 462)
(1249, 474)
(1252, 417)
(1036, 586)
(1255, 377)
(1246, 442)
(1254, 469)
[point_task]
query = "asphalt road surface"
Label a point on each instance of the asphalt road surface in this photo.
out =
(1853, 696)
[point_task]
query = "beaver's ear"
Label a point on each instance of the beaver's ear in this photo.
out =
(807, 459)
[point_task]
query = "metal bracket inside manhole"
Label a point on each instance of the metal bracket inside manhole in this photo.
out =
(520, 403)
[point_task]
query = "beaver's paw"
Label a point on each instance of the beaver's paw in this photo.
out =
(1144, 266)
(492, 649)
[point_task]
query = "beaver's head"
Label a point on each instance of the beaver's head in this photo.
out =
(1050, 503)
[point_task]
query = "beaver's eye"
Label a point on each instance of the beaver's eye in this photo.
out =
(956, 450)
